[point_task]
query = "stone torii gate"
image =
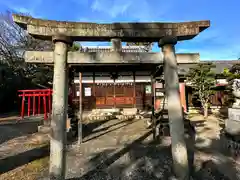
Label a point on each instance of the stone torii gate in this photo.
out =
(64, 33)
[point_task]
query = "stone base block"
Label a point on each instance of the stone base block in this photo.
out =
(230, 144)
(232, 124)
(125, 117)
(39, 138)
(47, 122)
(44, 129)
(101, 117)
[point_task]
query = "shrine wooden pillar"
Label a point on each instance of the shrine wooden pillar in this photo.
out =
(182, 89)
(153, 120)
(94, 89)
(80, 110)
(114, 92)
(116, 47)
(153, 93)
(134, 90)
(71, 105)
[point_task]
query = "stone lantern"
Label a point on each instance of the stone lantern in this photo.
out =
(232, 124)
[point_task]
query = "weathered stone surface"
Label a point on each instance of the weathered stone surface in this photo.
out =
(134, 32)
(62, 38)
(167, 40)
(59, 112)
(116, 45)
(101, 114)
(232, 125)
(107, 57)
(175, 115)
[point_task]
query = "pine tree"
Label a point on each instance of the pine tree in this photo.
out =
(202, 80)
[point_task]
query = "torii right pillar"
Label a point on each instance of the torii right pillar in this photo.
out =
(175, 114)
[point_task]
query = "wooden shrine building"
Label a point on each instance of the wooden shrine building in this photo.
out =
(132, 86)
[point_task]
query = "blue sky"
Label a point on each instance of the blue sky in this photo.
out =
(220, 42)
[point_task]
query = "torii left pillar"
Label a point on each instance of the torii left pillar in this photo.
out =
(176, 120)
(59, 108)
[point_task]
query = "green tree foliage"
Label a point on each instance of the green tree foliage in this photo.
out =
(230, 75)
(75, 47)
(15, 74)
(202, 80)
(14, 42)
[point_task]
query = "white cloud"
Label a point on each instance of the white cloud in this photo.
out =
(113, 8)
(143, 10)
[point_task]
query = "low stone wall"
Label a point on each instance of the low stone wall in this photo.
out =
(211, 110)
(108, 114)
(103, 114)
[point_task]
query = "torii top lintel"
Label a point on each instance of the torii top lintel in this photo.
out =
(128, 32)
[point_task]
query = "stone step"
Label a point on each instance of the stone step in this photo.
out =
(45, 129)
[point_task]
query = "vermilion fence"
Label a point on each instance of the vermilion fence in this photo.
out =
(38, 101)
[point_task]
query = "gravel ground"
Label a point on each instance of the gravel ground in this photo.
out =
(122, 150)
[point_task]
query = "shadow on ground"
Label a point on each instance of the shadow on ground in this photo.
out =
(153, 160)
(222, 160)
(135, 161)
(12, 162)
(223, 112)
(14, 130)
(108, 129)
(21, 129)
(88, 128)
(92, 131)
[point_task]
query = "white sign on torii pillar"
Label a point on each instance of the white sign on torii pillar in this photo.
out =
(63, 33)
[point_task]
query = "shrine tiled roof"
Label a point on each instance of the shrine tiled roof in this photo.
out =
(220, 65)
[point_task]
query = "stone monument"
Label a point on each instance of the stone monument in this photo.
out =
(232, 124)
(233, 121)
